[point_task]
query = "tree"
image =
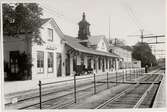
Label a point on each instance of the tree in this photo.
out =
(22, 18)
(142, 52)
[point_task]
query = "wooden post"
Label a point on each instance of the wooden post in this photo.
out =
(140, 71)
(134, 72)
(130, 74)
(126, 74)
(116, 77)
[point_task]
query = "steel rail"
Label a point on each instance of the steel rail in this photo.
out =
(70, 93)
(115, 97)
(145, 94)
(45, 94)
(118, 95)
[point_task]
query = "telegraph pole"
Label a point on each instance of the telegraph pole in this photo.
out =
(142, 36)
(109, 30)
(115, 42)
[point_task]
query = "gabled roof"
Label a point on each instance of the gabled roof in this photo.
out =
(55, 26)
(74, 43)
(95, 39)
(127, 48)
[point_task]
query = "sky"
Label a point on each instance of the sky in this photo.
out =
(126, 17)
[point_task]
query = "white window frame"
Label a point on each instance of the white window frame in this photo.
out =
(40, 68)
(50, 34)
(50, 64)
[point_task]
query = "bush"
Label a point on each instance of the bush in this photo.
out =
(24, 64)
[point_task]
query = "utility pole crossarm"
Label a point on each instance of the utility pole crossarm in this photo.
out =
(156, 43)
(155, 36)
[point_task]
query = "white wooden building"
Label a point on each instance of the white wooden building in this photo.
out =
(60, 55)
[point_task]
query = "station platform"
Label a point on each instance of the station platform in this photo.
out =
(160, 99)
(12, 87)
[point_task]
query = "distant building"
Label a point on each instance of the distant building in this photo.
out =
(125, 60)
(61, 54)
(125, 54)
(136, 63)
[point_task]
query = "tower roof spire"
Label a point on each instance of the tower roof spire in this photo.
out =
(83, 32)
(83, 16)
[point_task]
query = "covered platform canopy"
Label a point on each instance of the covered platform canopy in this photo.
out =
(74, 43)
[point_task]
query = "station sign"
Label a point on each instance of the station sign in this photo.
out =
(51, 47)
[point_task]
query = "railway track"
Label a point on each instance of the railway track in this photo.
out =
(84, 94)
(49, 98)
(136, 96)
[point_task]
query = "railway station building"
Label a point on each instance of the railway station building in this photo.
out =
(60, 55)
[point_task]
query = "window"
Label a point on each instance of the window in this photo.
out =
(40, 61)
(102, 47)
(50, 62)
(59, 64)
(111, 50)
(135, 62)
(50, 34)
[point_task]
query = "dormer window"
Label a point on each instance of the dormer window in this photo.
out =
(50, 34)
(102, 47)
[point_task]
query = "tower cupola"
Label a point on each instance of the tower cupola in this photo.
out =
(83, 32)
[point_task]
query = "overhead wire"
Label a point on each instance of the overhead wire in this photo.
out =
(134, 18)
(129, 12)
(57, 14)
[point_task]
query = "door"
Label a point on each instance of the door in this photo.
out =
(59, 65)
(14, 68)
(68, 65)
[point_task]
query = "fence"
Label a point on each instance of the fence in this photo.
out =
(119, 75)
